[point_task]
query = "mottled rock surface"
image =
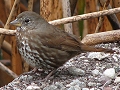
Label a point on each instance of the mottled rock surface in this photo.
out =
(87, 71)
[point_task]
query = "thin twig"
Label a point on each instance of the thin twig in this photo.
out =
(85, 16)
(112, 18)
(7, 70)
(6, 46)
(101, 19)
(14, 8)
(7, 31)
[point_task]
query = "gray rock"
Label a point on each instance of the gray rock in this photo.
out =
(74, 88)
(33, 86)
(85, 88)
(95, 72)
(51, 87)
(110, 73)
(76, 82)
(76, 71)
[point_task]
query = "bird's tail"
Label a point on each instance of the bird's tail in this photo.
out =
(96, 49)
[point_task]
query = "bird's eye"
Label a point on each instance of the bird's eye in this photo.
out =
(27, 20)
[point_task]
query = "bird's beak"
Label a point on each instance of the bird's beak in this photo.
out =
(15, 23)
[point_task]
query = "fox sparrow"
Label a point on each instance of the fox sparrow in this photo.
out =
(45, 46)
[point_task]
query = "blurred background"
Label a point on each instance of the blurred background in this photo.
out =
(52, 10)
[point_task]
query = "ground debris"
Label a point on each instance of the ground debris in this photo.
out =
(86, 74)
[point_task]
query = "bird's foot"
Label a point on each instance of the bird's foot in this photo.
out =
(36, 70)
(50, 76)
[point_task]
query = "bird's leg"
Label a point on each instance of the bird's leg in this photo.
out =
(49, 75)
(36, 70)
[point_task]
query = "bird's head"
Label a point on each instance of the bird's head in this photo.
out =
(27, 20)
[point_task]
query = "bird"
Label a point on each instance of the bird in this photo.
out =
(46, 46)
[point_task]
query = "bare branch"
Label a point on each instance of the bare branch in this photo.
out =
(7, 31)
(7, 47)
(7, 70)
(85, 16)
(14, 9)
(96, 38)
(101, 19)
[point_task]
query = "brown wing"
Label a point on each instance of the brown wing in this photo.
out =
(59, 39)
(55, 38)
